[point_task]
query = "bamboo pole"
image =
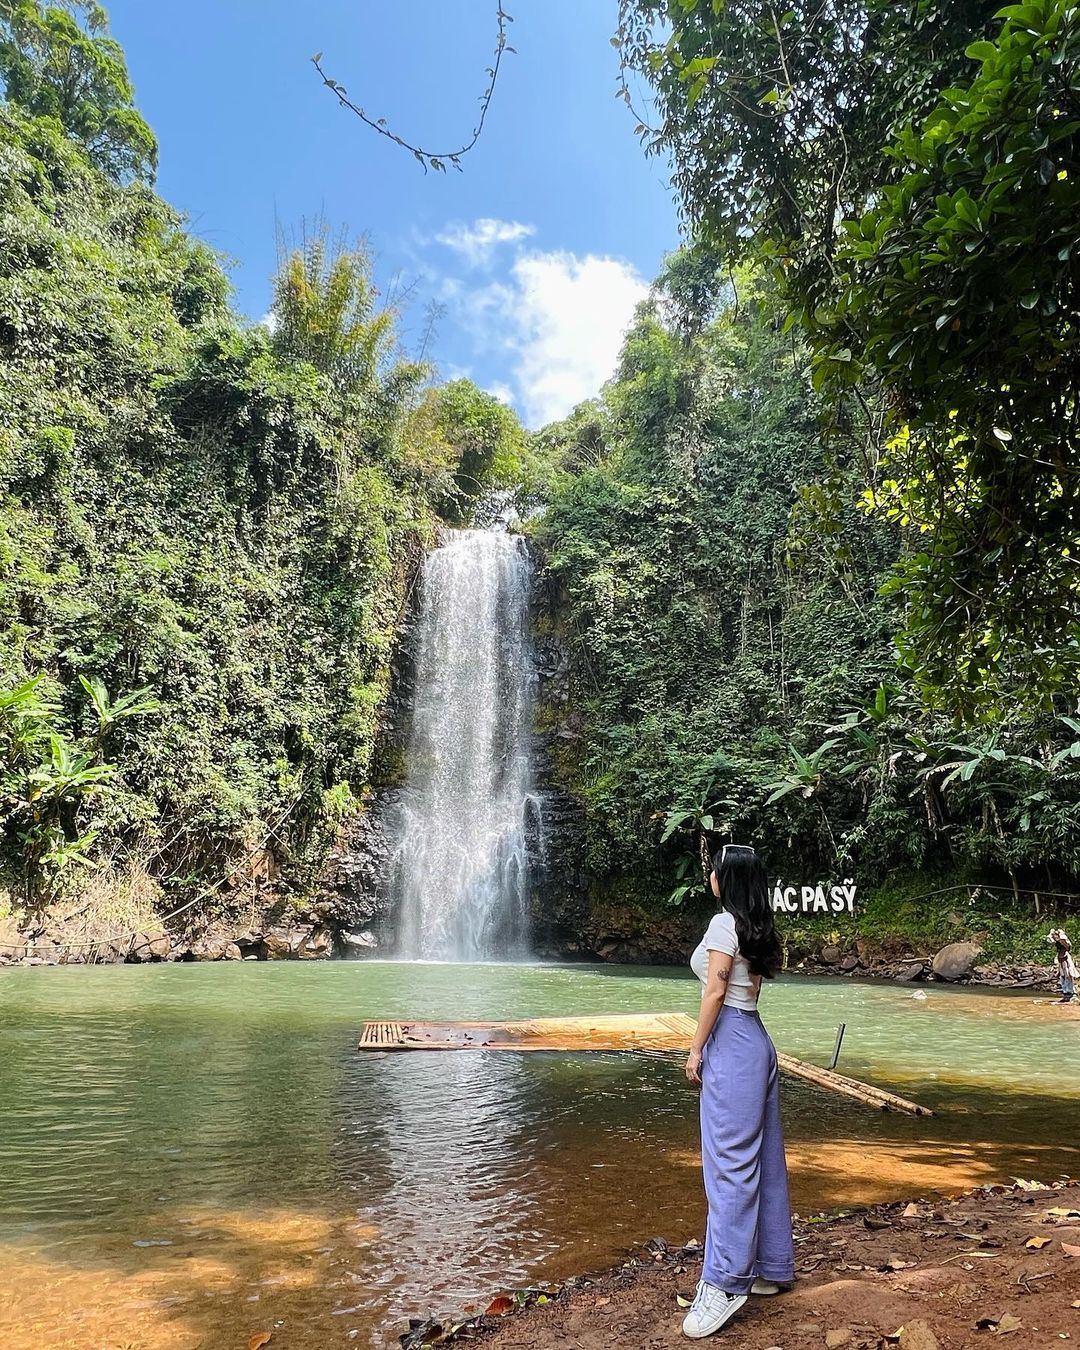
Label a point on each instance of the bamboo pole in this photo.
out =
(849, 1087)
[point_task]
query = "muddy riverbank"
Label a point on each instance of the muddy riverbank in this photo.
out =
(918, 1275)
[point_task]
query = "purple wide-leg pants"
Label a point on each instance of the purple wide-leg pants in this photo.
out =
(742, 1153)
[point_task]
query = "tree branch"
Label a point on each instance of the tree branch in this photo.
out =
(435, 159)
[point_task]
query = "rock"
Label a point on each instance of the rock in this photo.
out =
(277, 944)
(916, 1335)
(956, 961)
(150, 947)
(210, 947)
(830, 955)
(913, 970)
(316, 946)
(233, 952)
(365, 941)
(12, 942)
(849, 963)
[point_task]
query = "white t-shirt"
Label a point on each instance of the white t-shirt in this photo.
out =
(720, 936)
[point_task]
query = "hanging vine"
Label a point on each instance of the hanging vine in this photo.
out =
(430, 158)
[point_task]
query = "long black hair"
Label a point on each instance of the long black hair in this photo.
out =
(744, 893)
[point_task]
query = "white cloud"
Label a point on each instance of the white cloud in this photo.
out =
(478, 241)
(501, 391)
(564, 318)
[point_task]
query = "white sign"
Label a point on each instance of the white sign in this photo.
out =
(823, 898)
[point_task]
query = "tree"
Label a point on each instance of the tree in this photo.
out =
(53, 66)
(936, 280)
(484, 445)
(325, 311)
(773, 115)
(959, 297)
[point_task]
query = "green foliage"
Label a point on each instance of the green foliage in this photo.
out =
(700, 654)
(726, 683)
(52, 66)
(479, 441)
(908, 175)
(206, 530)
(922, 912)
(48, 786)
(958, 293)
(774, 116)
(326, 313)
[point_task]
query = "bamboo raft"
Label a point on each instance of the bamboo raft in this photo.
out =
(624, 1031)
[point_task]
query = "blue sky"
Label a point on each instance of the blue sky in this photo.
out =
(538, 250)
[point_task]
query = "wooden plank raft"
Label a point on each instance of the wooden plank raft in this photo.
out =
(622, 1031)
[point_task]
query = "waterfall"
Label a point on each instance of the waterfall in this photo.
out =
(461, 858)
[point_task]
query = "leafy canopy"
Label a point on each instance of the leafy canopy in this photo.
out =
(51, 65)
(909, 174)
(958, 293)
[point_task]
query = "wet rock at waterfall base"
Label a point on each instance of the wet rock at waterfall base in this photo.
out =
(150, 947)
(956, 961)
(317, 945)
(355, 944)
(277, 944)
(210, 947)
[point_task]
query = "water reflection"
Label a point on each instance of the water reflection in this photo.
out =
(456, 1136)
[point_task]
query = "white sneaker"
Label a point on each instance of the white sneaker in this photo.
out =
(710, 1310)
(764, 1287)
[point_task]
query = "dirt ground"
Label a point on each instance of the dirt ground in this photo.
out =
(996, 1262)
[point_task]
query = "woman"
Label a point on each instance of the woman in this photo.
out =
(748, 1245)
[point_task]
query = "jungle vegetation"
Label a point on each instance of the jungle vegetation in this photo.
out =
(908, 175)
(206, 526)
(814, 546)
(818, 541)
(731, 626)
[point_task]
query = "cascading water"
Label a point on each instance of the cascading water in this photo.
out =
(461, 855)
